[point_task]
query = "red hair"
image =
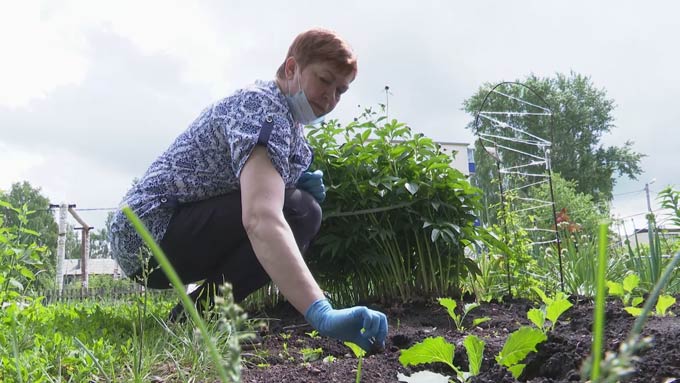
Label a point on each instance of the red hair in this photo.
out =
(320, 45)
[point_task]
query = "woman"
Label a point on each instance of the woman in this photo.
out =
(231, 199)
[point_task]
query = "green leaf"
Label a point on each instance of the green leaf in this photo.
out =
(478, 321)
(474, 348)
(519, 344)
(664, 302)
(412, 188)
(27, 273)
(435, 235)
(358, 351)
(430, 350)
(470, 306)
(634, 311)
(517, 370)
(537, 317)
(631, 282)
(541, 294)
(615, 289)
(636, 301)
(556, 308)
(450, 306)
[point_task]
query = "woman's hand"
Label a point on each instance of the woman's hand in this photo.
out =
(360, 325)
(312, 183)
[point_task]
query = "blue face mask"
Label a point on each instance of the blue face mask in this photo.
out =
(301, 109)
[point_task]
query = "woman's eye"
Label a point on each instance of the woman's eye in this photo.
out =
(325, 80)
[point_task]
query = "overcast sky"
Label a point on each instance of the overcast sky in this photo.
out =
(91, 92)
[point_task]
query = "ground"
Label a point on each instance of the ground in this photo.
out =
(279, 358)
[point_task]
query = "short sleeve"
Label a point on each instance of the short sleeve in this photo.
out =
(253, 119)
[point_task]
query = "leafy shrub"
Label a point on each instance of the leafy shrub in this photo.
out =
(397, 216)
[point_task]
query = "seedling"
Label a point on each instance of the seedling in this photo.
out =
(518, 345)
(551, 310)
(626, 290)
(432, 350)
(451, 305)
(311, 354)
(359, 353)
(313, 334)
(661, 308)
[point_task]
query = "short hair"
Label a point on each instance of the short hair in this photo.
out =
(320, 45)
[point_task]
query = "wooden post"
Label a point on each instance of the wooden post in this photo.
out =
(61, 247)
(85, 248)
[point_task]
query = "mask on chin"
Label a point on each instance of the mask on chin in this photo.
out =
(301, 109)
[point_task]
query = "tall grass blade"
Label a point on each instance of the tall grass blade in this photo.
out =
(179, 288)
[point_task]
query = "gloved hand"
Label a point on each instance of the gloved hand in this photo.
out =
(346, 324)
(312, 183)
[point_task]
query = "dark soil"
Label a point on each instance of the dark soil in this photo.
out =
(279, 358)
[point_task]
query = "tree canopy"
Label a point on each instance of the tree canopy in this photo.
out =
(582, 114)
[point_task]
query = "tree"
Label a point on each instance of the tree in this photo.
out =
(582, 115)
(41, 220)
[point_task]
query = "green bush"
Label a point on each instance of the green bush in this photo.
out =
(397, 216)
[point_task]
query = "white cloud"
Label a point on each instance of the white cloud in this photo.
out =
(39, 54)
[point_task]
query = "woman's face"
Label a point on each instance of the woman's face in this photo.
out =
(323, 85)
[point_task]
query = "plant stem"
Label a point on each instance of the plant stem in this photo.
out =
(358, 379)
(598, 323)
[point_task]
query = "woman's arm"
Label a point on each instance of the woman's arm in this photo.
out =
(262, 197)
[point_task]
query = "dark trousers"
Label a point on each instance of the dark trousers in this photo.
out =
(206, 240)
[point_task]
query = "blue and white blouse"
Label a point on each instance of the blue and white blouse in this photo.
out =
(206, 161)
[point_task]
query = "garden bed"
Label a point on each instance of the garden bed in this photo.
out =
(279, 357)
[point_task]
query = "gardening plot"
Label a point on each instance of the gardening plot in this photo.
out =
(291, 352)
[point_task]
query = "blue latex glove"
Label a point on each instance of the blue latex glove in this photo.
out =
(312, 183)
(346, 324)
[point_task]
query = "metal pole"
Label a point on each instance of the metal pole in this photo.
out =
(548, 167)
(649, 204)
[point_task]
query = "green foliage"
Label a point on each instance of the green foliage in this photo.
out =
(518, 345)
(626, 290)
(397, 216)
(438, 350)
(617, 366)
(311, 354)
(450, 306)
(582, 115)
(551, 309)
(228, 372)
(669, 198)
(23, 196)
(20, 255)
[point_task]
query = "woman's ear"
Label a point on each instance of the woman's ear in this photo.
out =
(289, 68)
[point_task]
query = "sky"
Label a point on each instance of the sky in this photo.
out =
(91, 92)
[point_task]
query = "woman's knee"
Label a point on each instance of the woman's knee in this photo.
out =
(302, 212)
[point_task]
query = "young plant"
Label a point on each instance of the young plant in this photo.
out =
(359, 353)
(433, 350)
(450, 306)
(660, 309)
(311, 354)
(551, 310)
(313, 334)
(518, 345)
(626, 290)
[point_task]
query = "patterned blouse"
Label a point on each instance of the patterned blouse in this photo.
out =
(206, 161)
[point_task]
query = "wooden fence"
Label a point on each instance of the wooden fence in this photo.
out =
(104, 294)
